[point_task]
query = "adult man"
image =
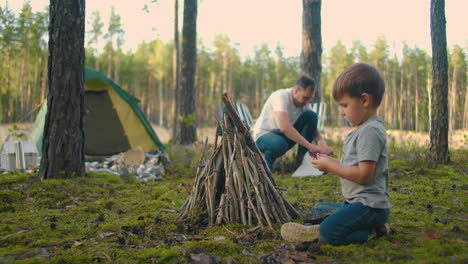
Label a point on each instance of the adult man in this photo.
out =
(286, 119)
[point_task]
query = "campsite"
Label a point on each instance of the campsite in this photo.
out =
(150, 133)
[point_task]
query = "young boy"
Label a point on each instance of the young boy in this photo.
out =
(363, 168)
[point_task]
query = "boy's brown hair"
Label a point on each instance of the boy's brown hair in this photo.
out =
(357, 79)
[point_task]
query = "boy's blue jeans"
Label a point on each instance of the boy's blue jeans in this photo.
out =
(351, 223)
(275, 144)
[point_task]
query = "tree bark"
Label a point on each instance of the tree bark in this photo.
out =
(439, 116)
(63, 139)
(186, 119)
(311, 56)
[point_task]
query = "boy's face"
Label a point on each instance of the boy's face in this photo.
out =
(354, 109)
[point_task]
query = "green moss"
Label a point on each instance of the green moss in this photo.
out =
(216, 248)
(102, 218)
(226, 231)
(100, 178)
(17, 178)
(158, 255)
(9, 196)
(33, 260)
(264, 247)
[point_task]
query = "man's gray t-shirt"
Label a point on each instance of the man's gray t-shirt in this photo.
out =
(367, 143)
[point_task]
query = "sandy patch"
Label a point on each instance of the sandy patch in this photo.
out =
(458, 139)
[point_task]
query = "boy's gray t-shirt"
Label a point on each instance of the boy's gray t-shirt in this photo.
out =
(367, 143)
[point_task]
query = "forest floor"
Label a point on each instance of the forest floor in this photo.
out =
(105, 218)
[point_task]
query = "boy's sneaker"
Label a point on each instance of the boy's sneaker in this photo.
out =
(294, 232)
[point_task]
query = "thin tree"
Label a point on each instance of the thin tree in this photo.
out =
(114, 29)
(311, 56)
(186, 119)
(176, 68)
(439, 92)
(95, 33)
(63, 139)
(8, 37)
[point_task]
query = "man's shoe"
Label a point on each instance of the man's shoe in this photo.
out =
(294, 232)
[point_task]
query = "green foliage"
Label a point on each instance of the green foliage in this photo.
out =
(102, 218)
(15, 132)
(148, 72)
(190, 119)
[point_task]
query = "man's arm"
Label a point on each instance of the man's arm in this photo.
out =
(290, 132)
(320, 140)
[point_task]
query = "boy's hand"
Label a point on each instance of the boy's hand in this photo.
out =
(323, 162)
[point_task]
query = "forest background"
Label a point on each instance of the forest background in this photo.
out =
(148, 73)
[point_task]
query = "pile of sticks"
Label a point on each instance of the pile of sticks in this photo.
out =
(234, 184)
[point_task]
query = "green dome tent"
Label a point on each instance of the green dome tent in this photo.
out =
(114, 122)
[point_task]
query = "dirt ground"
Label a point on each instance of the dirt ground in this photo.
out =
(458, 139)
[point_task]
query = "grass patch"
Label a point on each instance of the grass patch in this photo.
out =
(103, 218)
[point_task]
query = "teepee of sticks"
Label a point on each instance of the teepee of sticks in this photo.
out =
(234, 183)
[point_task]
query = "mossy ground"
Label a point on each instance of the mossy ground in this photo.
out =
(103, 218)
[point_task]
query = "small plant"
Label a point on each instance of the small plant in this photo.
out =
(16, 132)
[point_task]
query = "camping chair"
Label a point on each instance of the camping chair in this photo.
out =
(306, 168)
(321, 114)
(244, 114)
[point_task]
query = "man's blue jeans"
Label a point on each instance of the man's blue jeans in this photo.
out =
(351, 223)
(275, 144)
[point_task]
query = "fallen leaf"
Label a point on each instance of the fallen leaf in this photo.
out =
(429, 234)
(77, 244)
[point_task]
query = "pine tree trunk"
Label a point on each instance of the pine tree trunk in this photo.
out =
(109, 61)
(161, 103)
(416, 107)
(63, 139)
(186, 119)
(8, 106)
(409, 113)
(117, 68)
(212, 107)
(311, 56)
(465, 112)
(176, 73)
(439, 116)
(400, 106)
(36, 82)
(394, 96)
(20, 95)
(44, 81)
(453, 101)
(96, 62)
